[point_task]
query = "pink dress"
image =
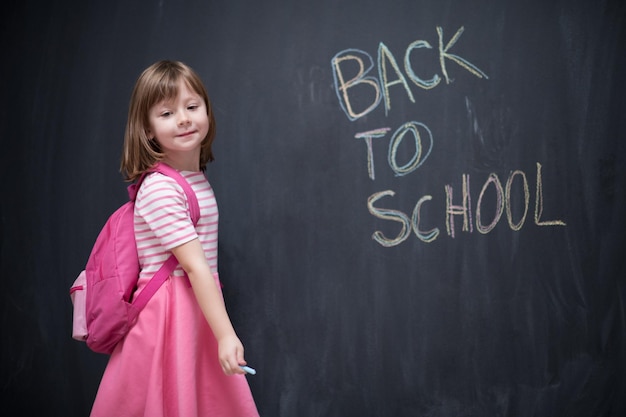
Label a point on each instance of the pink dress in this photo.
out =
(167, 365)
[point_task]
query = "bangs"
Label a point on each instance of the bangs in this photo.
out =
(164, 89)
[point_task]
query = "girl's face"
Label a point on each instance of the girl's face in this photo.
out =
(180, 125)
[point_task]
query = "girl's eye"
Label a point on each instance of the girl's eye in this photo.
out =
(192, 107)
(166, 114)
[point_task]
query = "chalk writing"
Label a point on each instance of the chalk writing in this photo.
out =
(464, 210)
(354, 85)
(507, 196)
(416, 160)
(387, 64)
(368, 136)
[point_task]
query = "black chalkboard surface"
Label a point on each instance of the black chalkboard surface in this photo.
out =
(421, 202)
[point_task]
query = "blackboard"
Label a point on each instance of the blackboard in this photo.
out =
(421, 202)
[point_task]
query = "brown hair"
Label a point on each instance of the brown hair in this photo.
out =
(156, 83)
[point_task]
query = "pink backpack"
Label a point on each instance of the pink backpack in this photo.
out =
(101, 295)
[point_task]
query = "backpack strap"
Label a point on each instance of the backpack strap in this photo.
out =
(170, 264)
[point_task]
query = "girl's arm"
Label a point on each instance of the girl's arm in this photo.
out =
(191, 257)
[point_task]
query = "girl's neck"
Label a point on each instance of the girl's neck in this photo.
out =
(182, 163)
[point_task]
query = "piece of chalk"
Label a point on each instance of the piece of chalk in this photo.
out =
(249, 370)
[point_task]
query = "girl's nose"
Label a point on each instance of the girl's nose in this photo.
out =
(183, 120)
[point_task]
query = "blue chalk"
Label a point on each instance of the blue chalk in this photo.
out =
(249, 370)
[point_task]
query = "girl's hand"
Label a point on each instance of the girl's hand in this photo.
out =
(230, 351)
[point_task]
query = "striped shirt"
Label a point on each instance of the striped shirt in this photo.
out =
(162, 220)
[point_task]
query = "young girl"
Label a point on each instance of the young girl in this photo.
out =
(182, 357)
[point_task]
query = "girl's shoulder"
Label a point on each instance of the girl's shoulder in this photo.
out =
(157, 187)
